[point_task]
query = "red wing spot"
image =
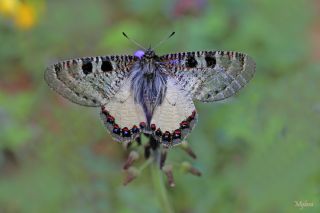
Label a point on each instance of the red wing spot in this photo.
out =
(116, 129)
(68, 64)
(105, 112)
(193, 113)
(166, 137)
(126, 132)
(110, 119)
(176, 134)
(153, 127)
(158, 132)
(142, 125)
(184, 124)
(135, 129)
(190, 118)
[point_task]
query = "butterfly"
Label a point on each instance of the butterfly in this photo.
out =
(150, 94)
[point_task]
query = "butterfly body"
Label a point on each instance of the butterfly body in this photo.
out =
(151, 94)
(148, 83)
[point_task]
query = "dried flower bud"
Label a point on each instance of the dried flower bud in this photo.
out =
(131, 174)
(167, 169)
(187, 167)
(185, 146)
(163, 157)
(131, 158)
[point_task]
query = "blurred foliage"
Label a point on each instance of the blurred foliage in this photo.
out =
(257, 151)
(22, 13)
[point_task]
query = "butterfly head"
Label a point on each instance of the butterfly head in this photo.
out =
(149, 54)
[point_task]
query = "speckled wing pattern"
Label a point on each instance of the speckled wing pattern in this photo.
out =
(210, 75)
(91, 81)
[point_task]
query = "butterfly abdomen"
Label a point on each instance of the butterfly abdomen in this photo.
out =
(148, 86)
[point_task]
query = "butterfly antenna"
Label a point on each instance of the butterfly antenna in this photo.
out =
(163, 40)
(133, 41)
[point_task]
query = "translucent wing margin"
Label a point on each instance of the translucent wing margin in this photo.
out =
(89, 81)
(210, 75)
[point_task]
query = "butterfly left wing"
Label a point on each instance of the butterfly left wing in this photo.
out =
(91, 81)
(210, 75)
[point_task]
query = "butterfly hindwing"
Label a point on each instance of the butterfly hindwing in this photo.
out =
(175, 117)
(122, 116)
(210, 75)
(89, 81)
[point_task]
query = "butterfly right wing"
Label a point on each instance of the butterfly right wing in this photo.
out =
(175, 118)
(91, 81)
(210, 75)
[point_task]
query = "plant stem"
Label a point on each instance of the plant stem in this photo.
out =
(160, 188)
(146, 164)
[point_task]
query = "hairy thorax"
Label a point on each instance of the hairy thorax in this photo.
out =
(148, 86)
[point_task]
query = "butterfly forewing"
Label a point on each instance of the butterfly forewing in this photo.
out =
(210, 75)
(89, 81)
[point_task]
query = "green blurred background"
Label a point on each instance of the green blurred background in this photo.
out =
(258, 151)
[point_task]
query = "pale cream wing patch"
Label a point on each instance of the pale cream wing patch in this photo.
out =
(176, 108)
(125, 113)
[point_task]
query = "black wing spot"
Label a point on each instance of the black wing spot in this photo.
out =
(106, 66)
(241, 59)
(57, 67)
(191, 62)
(211, 61)
(87, 67)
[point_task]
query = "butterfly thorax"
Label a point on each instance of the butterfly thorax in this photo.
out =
(148, 83)
(150, 60)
